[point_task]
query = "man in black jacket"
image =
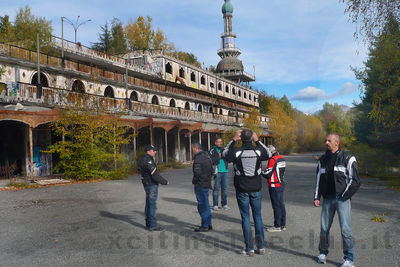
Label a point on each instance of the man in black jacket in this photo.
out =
(247, 166)
(337, 181)
(150, 179)
(202, 173)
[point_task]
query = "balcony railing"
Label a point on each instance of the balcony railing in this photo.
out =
(79, 49)
(21, 92)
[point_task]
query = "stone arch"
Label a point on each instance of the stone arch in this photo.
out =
(220, 111)
(200, 107)
(168, 68)
(192, 76)
(154, 100)
(78, 86)
(187, 106)
(203, 80)
(44, 81)
(172, 103)
(134, 96)
(109, 92)
(219, 86)
(227, 89)
(181, 72)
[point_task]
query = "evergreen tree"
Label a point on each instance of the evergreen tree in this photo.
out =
(118, 42)
(105, 40)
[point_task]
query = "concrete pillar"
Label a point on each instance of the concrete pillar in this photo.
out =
(31, 150)
(151, 134)
(179, 145)
(166, 145)
(208, 141)
(190, 145)
(134, 143)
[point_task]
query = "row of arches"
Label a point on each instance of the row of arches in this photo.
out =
(228, 90)
(79, 87)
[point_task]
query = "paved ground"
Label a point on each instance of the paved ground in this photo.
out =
(101, 224)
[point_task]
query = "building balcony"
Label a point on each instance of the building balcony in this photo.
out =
(27, 94)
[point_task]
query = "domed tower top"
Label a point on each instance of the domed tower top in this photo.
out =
(227, 8)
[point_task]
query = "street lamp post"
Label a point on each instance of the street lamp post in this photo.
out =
(75, 25)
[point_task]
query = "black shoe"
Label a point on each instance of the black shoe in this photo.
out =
(156, 229)
(210, 227)
(202, 229)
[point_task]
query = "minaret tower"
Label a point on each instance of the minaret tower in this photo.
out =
(228, 48)
(230, 66)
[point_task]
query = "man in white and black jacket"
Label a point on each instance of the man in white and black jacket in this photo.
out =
(247, 166)
(337, 181)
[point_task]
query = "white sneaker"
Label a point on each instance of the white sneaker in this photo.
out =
(225, 207)
(347, 263)
(250, 253)
(322, 258)
(274, 229)
(215, 208)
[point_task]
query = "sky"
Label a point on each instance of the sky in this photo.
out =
(303, 49)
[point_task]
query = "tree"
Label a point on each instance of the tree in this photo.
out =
(310, 133)
(105, 40)
(141, 35)
(186, 57)
(25, 29)
(6, 29)
(118, 41)
(371, 16)
(335, 120)
(252, 121)
(282, 126)
(381, 77)
(91, 145)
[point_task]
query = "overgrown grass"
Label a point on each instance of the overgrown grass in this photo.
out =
(379, 218)
(22, 185)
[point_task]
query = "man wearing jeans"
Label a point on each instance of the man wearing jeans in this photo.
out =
(221, 179)
(202, 173)
(150, 179)
(247, 166)
(275, 173)
(337, 181)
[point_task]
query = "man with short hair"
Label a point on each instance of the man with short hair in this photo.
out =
(337, 181)
(150, 179)
(275, 174)
(202, 173)
(221, 175)
(247, 166)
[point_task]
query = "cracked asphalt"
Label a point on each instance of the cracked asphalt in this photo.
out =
(102, 224)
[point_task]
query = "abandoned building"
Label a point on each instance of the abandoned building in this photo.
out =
(166, 102)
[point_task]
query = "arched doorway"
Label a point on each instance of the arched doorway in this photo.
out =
(154, 100)
(134, 96)
(109, 92)
(187, 106)
(78, 86)
(43, 79)
(13, 148)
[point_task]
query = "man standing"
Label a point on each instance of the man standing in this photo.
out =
(247, 167)
(150, 179)
(221, 179)
(337, 181)
(275, 174)
(202, 173)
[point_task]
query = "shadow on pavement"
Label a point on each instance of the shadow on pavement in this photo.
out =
(121, 217)
(180, 201)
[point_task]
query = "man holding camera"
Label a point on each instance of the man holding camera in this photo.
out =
(247, 167)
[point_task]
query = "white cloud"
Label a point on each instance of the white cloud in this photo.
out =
(309, 94)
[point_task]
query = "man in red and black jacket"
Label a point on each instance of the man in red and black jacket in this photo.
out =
(275, 173)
